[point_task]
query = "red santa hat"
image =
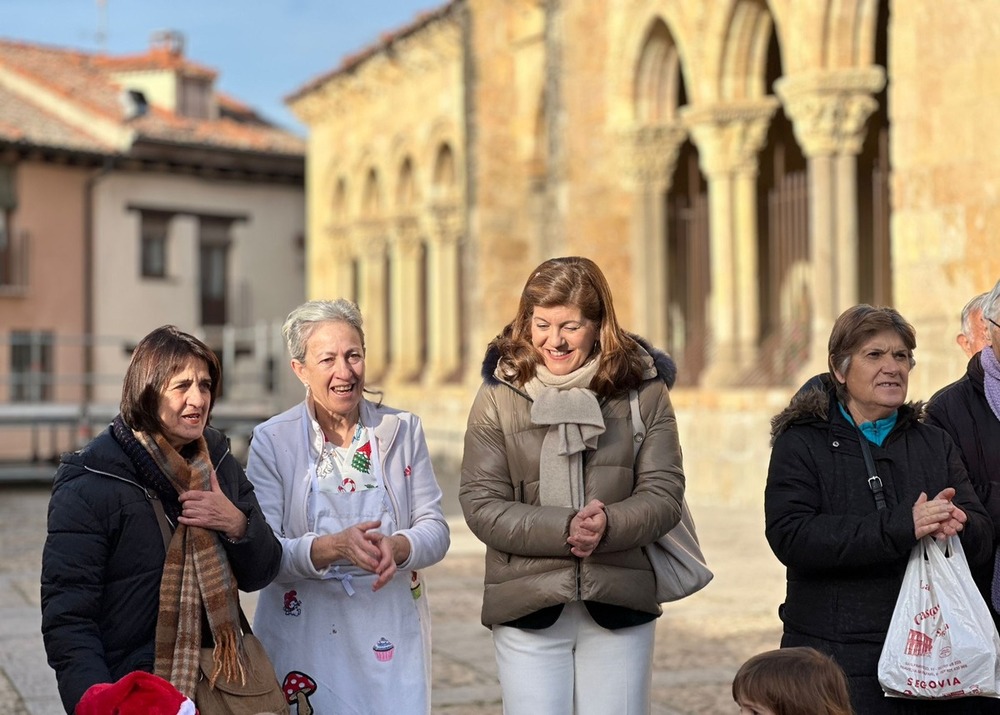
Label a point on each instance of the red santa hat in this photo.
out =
(137, 693)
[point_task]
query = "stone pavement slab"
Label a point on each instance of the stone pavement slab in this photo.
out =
(700, 641)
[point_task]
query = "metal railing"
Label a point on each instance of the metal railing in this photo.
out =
(44, 405)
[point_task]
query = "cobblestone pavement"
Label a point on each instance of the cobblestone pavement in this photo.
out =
(700, 641)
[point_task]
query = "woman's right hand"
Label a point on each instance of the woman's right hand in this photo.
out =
(351, 544)
(937, 517)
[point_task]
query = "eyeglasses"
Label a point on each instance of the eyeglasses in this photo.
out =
(993, 321)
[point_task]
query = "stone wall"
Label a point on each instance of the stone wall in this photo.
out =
(563, 153)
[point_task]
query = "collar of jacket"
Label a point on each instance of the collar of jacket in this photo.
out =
(663, 366)
(815, 402)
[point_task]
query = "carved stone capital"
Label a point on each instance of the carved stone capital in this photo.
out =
(447, 223)
(829, 109)
(652, 152)
(407, 236)
(729, 136)
(338, 241)
(370, 239)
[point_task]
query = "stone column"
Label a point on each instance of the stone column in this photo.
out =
(406, 324)
(652, 162)
(444, 297)
(371, 251)
(729, 138)
(829, 110)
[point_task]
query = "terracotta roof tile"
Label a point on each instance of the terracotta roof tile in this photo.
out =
(22, 122)
(86, 80)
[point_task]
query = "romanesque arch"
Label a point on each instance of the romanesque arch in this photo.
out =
(444, 265)
(834, 92)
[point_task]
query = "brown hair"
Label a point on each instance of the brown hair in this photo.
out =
(158, 357)
(855, 326)
(793, 681)
(578, 282)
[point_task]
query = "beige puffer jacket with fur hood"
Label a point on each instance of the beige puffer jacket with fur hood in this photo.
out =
(528, 562)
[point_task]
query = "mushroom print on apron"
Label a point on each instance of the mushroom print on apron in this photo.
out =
(359, 651)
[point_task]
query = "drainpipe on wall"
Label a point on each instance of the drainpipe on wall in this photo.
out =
(88, 288)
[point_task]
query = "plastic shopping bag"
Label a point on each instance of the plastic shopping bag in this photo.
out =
(941, 642)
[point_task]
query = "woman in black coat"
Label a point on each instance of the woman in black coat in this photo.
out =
(103, 583)
(846, 545)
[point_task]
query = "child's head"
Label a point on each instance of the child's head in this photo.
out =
(791, 681)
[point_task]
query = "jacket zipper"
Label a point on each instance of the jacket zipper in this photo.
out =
(149, 495)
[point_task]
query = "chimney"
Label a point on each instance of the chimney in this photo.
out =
(170, 42)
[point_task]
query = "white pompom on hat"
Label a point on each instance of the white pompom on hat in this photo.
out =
(137, 693)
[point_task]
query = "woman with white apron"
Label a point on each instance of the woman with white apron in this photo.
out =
(349, 489)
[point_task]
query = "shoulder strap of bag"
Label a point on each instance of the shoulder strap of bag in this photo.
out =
(161, 517)
(638, 428)
(874, 481)
(167, 532)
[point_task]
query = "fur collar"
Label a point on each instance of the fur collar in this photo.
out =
(666, 368)
(817, 398)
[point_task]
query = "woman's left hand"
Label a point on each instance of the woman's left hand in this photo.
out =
(212, 510)
(586, 529)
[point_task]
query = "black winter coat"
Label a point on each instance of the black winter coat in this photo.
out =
(845, 559)
(103, 559)
(961, 410)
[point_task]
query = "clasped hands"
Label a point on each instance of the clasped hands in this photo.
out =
(587, 528)
(937, 517)
(365, 547)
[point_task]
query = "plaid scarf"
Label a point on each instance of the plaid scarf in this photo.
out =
(196, 576)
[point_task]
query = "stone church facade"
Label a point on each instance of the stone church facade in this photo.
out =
(742, 170)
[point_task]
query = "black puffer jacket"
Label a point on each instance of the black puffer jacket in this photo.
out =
(845, 558)
(104, 556)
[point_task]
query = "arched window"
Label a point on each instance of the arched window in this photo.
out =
(371, 204)
(406, 191)
(782, 244)
(658, 79)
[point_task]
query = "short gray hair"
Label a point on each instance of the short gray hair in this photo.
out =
(976, 304)
(991, 304)
(301, 322)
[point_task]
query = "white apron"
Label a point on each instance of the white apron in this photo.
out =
(363, 651)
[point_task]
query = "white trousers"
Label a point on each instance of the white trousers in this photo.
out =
(575, 666)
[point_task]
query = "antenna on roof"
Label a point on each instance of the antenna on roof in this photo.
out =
(102, 26)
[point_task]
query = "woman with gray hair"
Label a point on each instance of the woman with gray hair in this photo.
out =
(348, 487)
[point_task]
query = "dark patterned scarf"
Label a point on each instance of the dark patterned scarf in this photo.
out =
(196, 573)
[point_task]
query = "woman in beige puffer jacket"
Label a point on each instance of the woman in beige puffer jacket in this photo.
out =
(552, 484)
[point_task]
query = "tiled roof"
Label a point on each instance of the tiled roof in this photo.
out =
(83, 84)
(22, 122)
(386, 39)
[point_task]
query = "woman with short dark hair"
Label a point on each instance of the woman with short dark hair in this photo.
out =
(109, 605)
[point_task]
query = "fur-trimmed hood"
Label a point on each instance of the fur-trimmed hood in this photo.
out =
(814, 401)
(664, 366)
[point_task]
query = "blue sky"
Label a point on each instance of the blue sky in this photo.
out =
(262, 49)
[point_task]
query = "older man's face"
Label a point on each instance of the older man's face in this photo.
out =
(980, 338)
